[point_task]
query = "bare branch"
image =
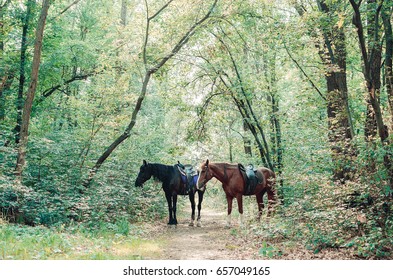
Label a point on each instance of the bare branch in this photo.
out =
(304, 73)
(183, 40)
(48, 92)
(160, 10)
(68, 7)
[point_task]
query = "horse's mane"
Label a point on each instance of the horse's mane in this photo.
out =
(162, 172)
(226, 164)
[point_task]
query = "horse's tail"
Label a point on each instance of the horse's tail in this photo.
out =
(271, 191)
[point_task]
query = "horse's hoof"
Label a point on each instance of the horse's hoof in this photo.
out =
(199, 224)
(191, 224)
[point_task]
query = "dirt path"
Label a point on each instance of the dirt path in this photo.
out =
(212, 241)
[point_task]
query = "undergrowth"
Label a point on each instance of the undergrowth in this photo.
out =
(20, 242)
(324, 222)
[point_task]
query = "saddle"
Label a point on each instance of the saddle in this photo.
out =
(251, 177)
(188, 175)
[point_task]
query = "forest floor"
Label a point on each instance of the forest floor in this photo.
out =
(271, 239)
(214, 241)
(184, 242)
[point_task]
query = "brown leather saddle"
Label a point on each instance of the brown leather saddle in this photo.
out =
(251, 178)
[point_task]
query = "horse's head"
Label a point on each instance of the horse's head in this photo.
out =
(204, 176)
(145, 173)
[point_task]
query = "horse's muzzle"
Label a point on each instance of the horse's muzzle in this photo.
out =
(138, 183)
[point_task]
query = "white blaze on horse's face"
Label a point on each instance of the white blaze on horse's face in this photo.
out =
(203, 178)
(198, 184)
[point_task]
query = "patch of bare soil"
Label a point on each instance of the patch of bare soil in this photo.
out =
(184, 242)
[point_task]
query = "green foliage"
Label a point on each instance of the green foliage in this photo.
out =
(269, 251)
(189, 115)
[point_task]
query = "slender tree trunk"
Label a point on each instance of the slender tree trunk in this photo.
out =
(248, 115)
(2, 34)
(247, 118)
(5, 86)
(6, 76)
(22, 75)
(272, 98)
(246, 140)
(372, 55)
(386, 17)
(21, 159)
(123, 12)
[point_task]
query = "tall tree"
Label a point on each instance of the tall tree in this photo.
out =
(386, 14)
(24, 132)
(6, 75)
(229, 81)
(331, 45)
(22, 70)
(370, 45)
(150, 70)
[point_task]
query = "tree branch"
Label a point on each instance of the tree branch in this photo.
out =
(183, 40)
(266, 152)
(160, 10)
(48, 92)
(304, 73)
(68, 7)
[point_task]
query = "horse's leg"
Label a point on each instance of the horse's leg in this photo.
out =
(200, 199)
(259, 197)
(192, 200)
(174, 198)
(229, 201)
(239, 199)
(169, 200)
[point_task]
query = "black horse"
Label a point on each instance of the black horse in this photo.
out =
(173, 184)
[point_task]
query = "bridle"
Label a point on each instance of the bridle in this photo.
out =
(206, 174)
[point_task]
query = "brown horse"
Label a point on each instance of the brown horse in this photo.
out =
(234, 185)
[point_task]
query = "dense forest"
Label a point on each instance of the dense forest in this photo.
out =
(91, 88)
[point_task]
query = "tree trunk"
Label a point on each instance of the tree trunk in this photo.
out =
(123, 12)
(6, 77)
(21, 158)
(333, 55)
(340, 134)
(2, 9)
(5, 86)
(386, 15)
(372, 56)
(246, 140)
(22, 77)
(272, 98)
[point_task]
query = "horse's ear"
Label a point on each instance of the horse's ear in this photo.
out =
(144, 162)
(207, 162)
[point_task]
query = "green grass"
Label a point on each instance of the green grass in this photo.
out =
(30, 243)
